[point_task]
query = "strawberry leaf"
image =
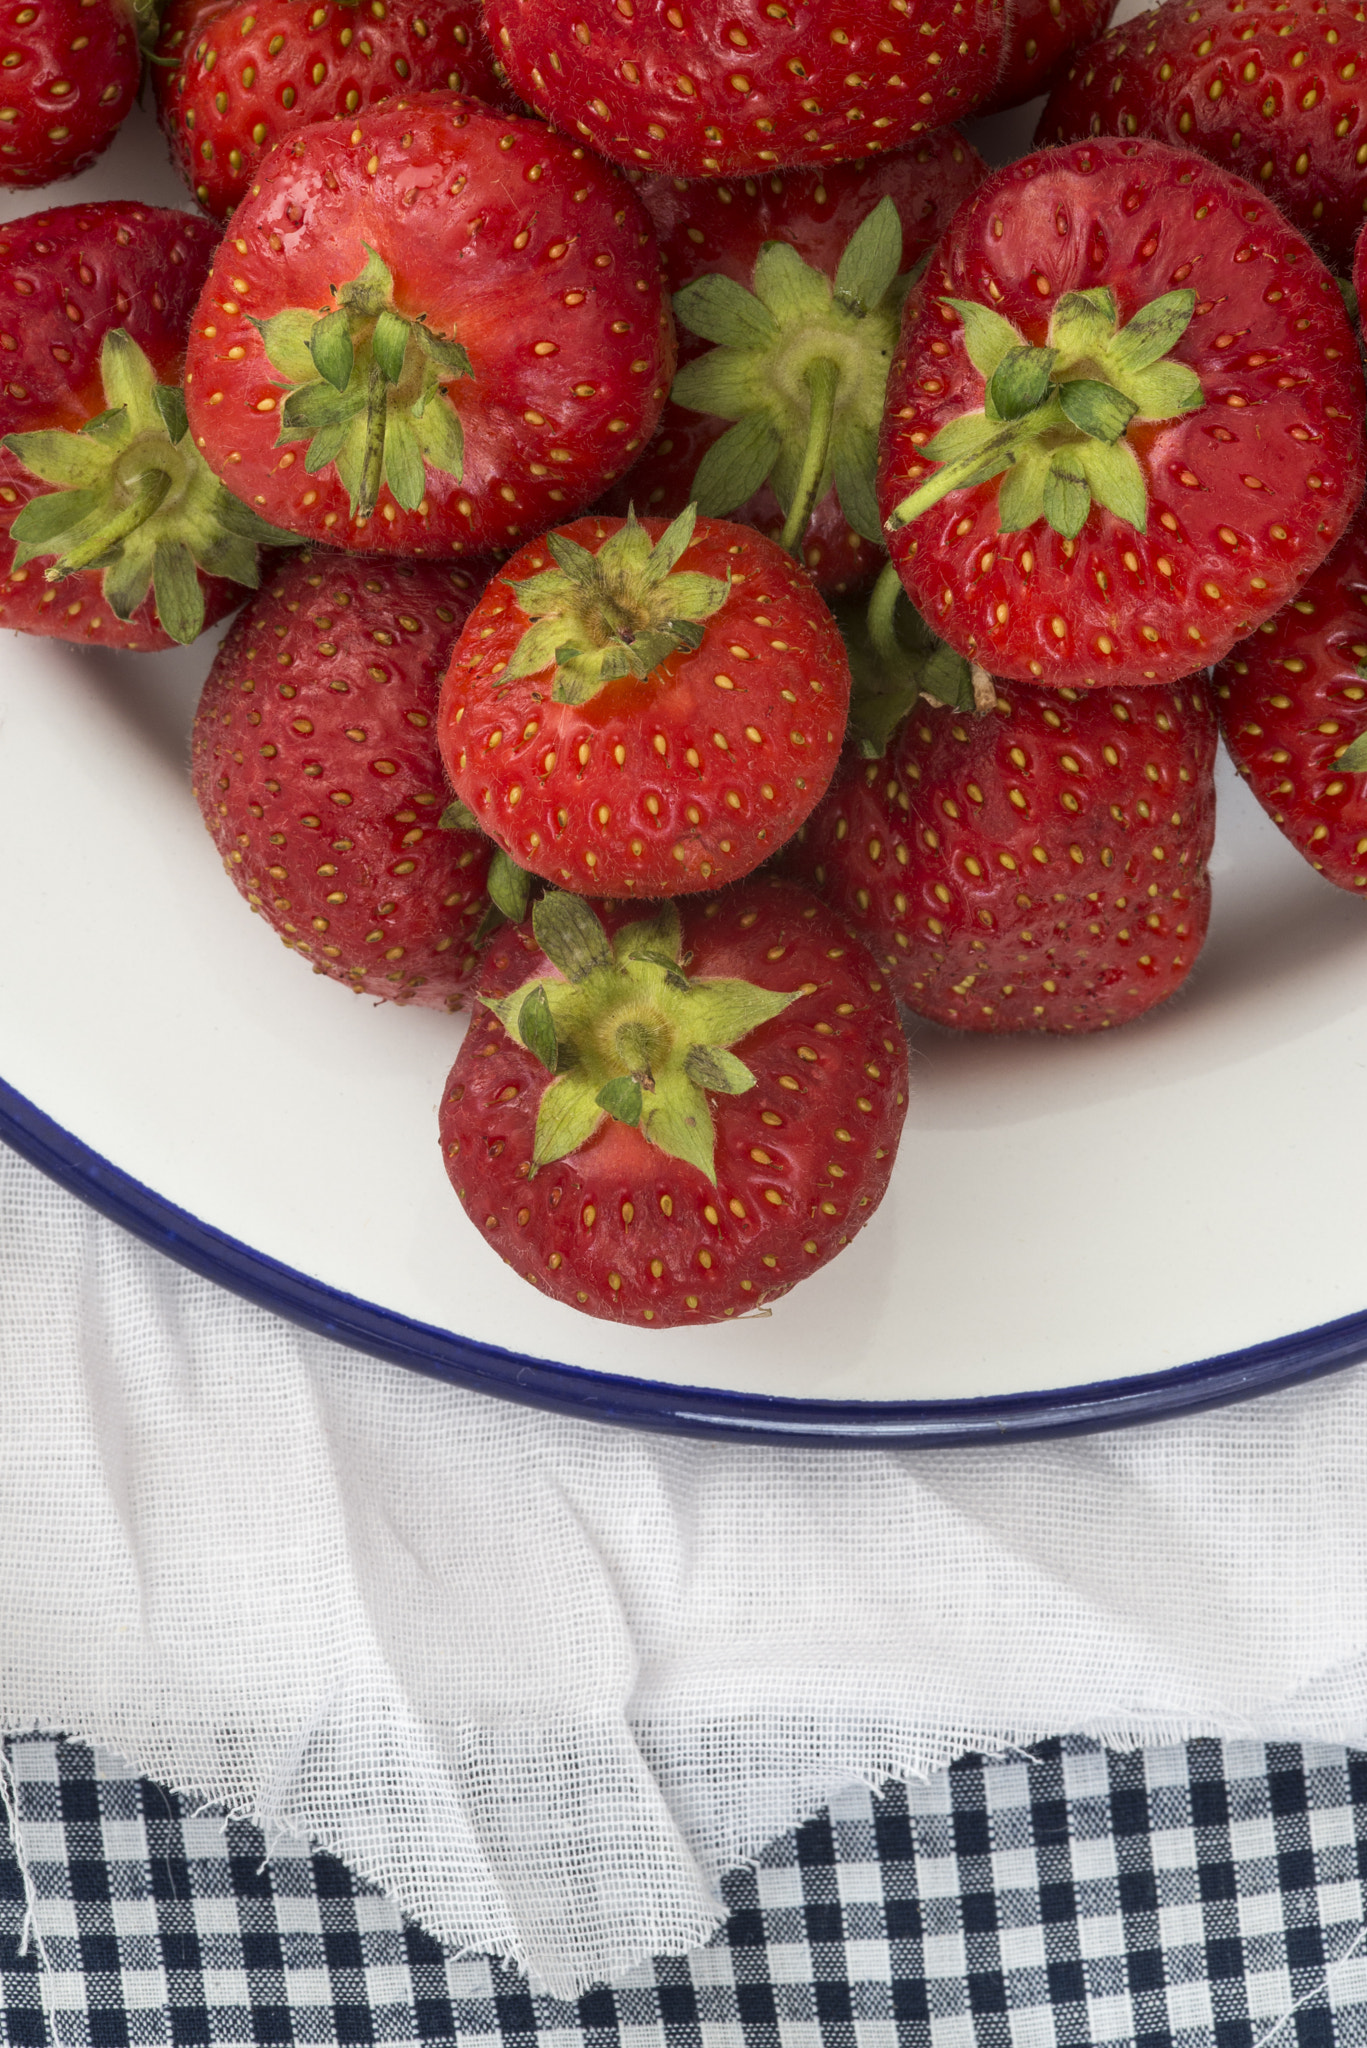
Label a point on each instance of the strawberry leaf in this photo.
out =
(536, 1028)
(713, 1068)
(1154, 330)
(718, 309)
(871, 259)
(987, 336)
(567, 1117)
(621, 1098)
(570, 936)
(791, 290)
(1067, 495)
(1116, 480)
(1101, 411)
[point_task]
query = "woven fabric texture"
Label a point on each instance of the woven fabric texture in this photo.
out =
(1209, 1896)
(545, 1682)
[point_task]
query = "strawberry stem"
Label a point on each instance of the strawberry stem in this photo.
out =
(882, 628)
(152, 488)
(822, 379)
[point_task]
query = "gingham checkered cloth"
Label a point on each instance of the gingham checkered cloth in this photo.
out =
(1208, 1896)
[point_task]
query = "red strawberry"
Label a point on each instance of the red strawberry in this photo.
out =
(71, 74)
(729, 1083)
(1041, 867)
(429, 332)
(644, 720)
(1125, 422)
(234, 76)
(315, 764)
(707, 91)
(1271, 90)
(1293, 708)
(94, 305)
(1040, 37)
(719, 231)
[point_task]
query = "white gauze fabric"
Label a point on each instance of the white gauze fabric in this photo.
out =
(544, 1680)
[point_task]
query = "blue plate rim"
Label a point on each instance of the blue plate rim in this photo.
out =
(653, 1404)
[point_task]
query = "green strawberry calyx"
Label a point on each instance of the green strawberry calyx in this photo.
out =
(801, 366)
(620, 612)
(135, 500)
(366, 388)
(1055, 420)
(895, 660)
(628, 1034)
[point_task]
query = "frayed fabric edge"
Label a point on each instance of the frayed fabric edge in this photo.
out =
(570, 1977)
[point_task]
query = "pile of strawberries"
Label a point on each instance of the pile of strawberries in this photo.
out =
(719, 562)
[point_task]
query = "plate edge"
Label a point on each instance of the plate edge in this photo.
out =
(651, 1404)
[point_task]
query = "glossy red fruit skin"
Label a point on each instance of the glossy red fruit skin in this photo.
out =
(1041, 35)
(1292, 698)
(1246, 495)
(1224, 59)
(365, 53)
(71, 71)
(934, 855)
(579, 304)
(67, 277)
(802, 1159)
(703, 770)
(315, 765)
(703, 91)
(707, 227)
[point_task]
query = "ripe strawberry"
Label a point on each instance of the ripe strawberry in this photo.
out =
(429, 332)
(94, 305)
(1269, 89)
(71, 74)
(1041, 867)
(1293, 708)
(640, 720)
(708, 232)
(729, 1083)
(1040, 37)
(234, 76)
(315, 764)
(706, 91)
(1118, 492)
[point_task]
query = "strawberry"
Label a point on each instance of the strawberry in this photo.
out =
(234, 76)
(709, 91)
(94, 305)
(1125, 422)
(1271, 90)
(713, 236)
(430, 331)
(672, 1120)
(1293, 708)
(1041, 35)
(71, 74)
(1041, 867)
(315, 764)
(645, 710)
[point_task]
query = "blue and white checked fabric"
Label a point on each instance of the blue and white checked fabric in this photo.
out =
(1205, 1896)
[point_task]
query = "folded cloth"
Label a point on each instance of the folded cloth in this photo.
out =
(544, 1680)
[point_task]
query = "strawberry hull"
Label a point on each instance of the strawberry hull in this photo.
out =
(623, 1231)
(1293, 699)
(711, 229)
(680, 782)
(67, 277)
(1246, 495)
(1040, 868)
(537, 259)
